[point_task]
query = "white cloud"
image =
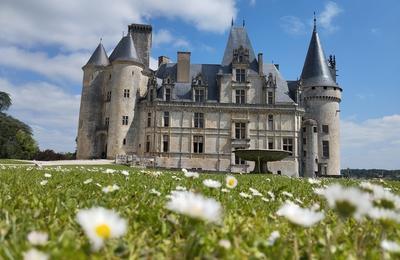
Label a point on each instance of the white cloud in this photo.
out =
(76, 25)
(59, 67)
(325, 19)
(373, 143)
(49, 110)
(165, 37)
(293, 25)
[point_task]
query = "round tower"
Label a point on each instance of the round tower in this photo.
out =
(321, 97)
(90, 113)
(126, 79)
(310, 148)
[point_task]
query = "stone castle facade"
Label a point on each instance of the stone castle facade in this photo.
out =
(186, 115)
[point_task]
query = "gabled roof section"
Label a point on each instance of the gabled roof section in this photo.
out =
(282, 90)
(99, 57)
(125, 50)
(316, 71)
(238, 37)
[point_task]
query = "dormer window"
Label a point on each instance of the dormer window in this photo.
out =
(240, 75)
(199, 95)
(270, 97)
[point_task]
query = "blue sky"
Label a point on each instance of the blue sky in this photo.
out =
(45, 43)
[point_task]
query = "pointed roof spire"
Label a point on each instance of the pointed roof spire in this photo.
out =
(238, 37)
(125, 50)
(232, 22)
(316, 71)
(244, 22)
(99, 57)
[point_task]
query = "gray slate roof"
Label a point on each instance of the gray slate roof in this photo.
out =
(316, 71)
(99, 57)
(182, 91)
(125, 50)
(282, 90)
(238, 37)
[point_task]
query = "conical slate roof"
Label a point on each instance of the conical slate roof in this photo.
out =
(125, 50)
(316, 71)
(238, 37)
(99, 57)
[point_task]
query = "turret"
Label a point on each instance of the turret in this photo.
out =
(90, 114)
(321, 97)
(126, 83)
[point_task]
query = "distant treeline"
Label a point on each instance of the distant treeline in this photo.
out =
(371, 173)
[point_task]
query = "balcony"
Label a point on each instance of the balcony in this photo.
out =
(240, 143)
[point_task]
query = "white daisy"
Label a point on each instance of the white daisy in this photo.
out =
(87, 181)
(255, 192)
(155, 192)
(47, 175)
(110, 171)
(225, 190)
(390, 246)
(313, 181)
(265, 199)
(225, 243)
(287, 194)
(37, 238)
(271, 194)
(34, 254)
(189, 174)
(299, 216)
(245, 195)
(44, 182)
(110, 188)
(348, 201)
(195, 205)
(180, 188)
(125, 172)
(100, 224)
(273, 237)
(231, 182)
(212, 183)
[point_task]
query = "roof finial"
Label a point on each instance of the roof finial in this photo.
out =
(244, 22)
(101, 39)
(232, 22)
(315, 22)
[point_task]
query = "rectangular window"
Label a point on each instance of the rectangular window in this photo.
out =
(165, 143)
(107, 122)
(124, 141)
(124, 120)
(325, 149)
(304, 141)
(198, 120)
(270, 97)
(166, 119)
(270, 122)
(167, 94)
(315, 129)
(198, 144)
(271, 145)
(199, 95)
(108, 98)
(240, 96)
(304, 154)
(149, 119)
(238, 160)
(325, 129)
(304, 130)
(148, 144)
(240, 75)
(240, 130)
(126, 93)
(287, 144)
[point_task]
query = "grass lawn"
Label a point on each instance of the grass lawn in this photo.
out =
(154, 232)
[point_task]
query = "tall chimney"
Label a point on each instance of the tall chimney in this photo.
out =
(260, 64)
(162, 60)
(141, 34)
(183, 68)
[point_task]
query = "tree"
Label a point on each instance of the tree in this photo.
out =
(5, 101)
